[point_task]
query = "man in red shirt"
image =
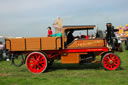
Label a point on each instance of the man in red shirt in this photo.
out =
(49, 31)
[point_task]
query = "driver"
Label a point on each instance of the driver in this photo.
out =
(70, 37)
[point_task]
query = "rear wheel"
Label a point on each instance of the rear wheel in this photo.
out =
(111, 61)
(36, 62)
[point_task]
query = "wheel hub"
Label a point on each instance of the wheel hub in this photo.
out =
(36, 62)
(111, 62)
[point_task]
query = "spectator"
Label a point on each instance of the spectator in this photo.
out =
(1, 50)
(58, 25)
(49, 31)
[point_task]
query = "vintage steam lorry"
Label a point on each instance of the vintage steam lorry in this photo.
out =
(41, 52)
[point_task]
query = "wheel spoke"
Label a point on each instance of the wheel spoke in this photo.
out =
(32, 66)
(42, 58)
(108, 58)
(31, 59)
(110, 66)
(40, 67)
(114, 65)
(34, 59)
(41, 62)
(113, 58)
(31, 63)
(38, 57)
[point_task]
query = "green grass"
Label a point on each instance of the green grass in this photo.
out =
(60, 74)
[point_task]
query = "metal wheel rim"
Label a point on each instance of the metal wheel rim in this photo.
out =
(111, 62)
(36, 62)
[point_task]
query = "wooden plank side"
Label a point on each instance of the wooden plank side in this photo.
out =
(58, 43)
(70, 58)
(17, 44)
(33, 43)
(50, 43)
(88, 43)
(8, 45)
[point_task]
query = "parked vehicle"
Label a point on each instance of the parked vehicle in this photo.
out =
(41, 52)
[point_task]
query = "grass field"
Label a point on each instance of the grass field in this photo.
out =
(59, 74)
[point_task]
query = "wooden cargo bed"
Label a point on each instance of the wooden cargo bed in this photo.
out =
(33, 44)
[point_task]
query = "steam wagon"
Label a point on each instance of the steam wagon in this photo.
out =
(41, 52)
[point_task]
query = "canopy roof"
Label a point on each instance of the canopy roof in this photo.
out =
(79, 27)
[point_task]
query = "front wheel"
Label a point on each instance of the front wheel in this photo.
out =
(36, 62)
(111, 61)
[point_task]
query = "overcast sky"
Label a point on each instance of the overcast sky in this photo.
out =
(30, 18)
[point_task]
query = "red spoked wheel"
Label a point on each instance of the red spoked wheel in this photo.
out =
(36, 62)
(111, 61)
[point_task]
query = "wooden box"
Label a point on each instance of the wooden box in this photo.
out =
(70, 58)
